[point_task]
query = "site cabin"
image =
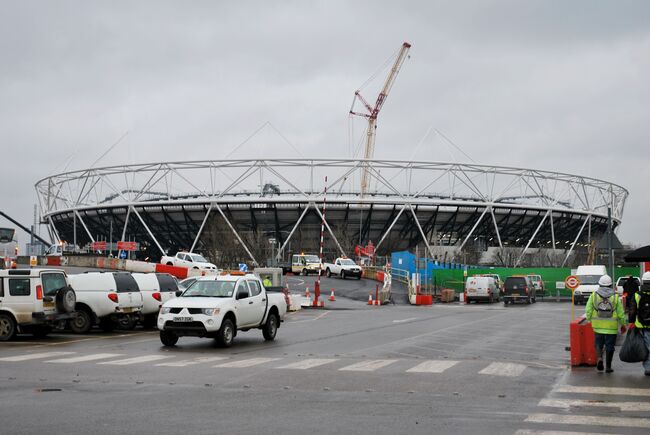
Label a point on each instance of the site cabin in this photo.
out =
(305, 264)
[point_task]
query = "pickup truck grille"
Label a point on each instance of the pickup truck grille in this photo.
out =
(196, 326)
(175, 310)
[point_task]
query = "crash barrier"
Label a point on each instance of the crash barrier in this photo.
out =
(582, 341)
(416, 294)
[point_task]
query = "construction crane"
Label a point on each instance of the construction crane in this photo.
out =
(374, 111)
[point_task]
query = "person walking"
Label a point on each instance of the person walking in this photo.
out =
(630, 288)
(605, 312)
(640, 316)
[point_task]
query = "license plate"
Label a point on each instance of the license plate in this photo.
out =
(471, 291)
(182, 319)
(515, 294)
(127, 309)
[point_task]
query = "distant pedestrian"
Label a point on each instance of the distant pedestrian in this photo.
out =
(605, 312)
(630, 288)
(640, 316)
(267, 282)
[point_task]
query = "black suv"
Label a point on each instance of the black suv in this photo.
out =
(518, 288)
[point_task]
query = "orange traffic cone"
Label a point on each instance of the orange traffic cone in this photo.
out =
(307, 295)
(332, 296)
(369, 298)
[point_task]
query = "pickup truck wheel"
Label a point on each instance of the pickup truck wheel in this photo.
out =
(168, 338)
(7, 327)
(226, 334)
(127, 323)
(82, 323)
(66, 299)
(343, 274)
(270, 327)
(505, 303)
(169, 263)
(328, 272)
(304, 272)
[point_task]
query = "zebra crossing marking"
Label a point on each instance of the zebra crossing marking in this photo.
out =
(503, 369)
(433, 366)
(568, 403)
(603, 390)
(308, 363)
(243, 363)
(85, 358)
(369, 366)
(589, 420)
(30, 356)
(191, 362)
(135, 360)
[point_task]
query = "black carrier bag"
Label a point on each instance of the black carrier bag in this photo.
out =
(633, 349)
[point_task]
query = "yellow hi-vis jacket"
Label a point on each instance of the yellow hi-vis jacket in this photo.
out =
(605, 325)
(637, 299)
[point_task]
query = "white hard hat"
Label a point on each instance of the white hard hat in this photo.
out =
(605, 281)
(646, 277)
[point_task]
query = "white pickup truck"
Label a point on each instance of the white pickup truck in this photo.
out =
(219, 306)
(190, 260)
(343, 267)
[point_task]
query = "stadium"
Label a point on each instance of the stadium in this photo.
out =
(281, 203)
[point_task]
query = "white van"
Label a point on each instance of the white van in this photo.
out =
(105, 298)
(482, 288)
(588, 276)
(156, 289)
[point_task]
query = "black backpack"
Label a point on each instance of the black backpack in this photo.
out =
(643, 308)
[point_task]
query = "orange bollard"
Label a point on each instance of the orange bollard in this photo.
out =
(369, 298)
(307, 295)
(332, 296)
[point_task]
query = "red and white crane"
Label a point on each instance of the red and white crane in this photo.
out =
(374, 111)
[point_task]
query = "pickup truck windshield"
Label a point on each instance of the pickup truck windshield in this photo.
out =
(198, 258)
(213, 289)
(347, 262)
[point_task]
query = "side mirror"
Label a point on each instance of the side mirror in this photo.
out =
(242, 295)
(179, 292)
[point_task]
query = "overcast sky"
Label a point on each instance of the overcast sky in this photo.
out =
(554, 85)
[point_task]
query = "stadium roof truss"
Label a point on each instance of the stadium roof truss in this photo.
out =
(515, 206)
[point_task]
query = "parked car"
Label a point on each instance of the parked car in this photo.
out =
(482, 288)
(519, 288)
(588, 276)
(106, 299)
(190, 260)
(218, 307)
(34, 301)
(621, 282)
(343, 267)
(156, 289)
(538, 283)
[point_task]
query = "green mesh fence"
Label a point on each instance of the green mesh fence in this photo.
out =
(455, 278)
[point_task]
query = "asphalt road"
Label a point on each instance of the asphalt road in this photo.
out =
(351, 368)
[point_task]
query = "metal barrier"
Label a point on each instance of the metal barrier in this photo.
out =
(382, 275)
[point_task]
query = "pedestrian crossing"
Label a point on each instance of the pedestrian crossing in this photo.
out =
(594, 409)
(411, 367)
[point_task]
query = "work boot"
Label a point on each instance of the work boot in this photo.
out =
(608, 361)
(599, 364)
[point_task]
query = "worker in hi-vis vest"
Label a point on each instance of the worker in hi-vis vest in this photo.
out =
(605, 312)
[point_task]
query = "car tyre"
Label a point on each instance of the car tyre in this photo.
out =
(304, 272)
(66, 299)
(505, 303)
(7, 327)
(226, 334)
(168, 338)
(127, 323)
(270, 327)
(343, 274)
(328, 272)
(82, 323)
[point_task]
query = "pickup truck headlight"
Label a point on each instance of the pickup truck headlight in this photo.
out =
(165, 310)
(211, 311)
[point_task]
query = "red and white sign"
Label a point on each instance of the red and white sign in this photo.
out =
(572, 282)
(127, 246)
(98, 246)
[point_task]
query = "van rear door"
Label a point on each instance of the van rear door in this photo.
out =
(168, 286)
(129, 297)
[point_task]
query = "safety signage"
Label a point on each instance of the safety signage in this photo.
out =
(98, 246)
(33, 261)
(572, 282)
(243, 267)
(127, 246)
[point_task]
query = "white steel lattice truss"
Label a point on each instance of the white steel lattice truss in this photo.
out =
(405, 184)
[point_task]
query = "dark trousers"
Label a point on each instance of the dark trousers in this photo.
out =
(605, 340)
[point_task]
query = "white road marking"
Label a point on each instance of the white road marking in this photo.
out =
(604, 390)
(190, 362)
(76, 359)
(503, 369)
(567, 403)
(589, 420)
(135, 360)
(320, 316)
(29, 356)
(555, 432)
(434, 366)
(405, 320)
(369, 366)
(247, 362)
(308, 363)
